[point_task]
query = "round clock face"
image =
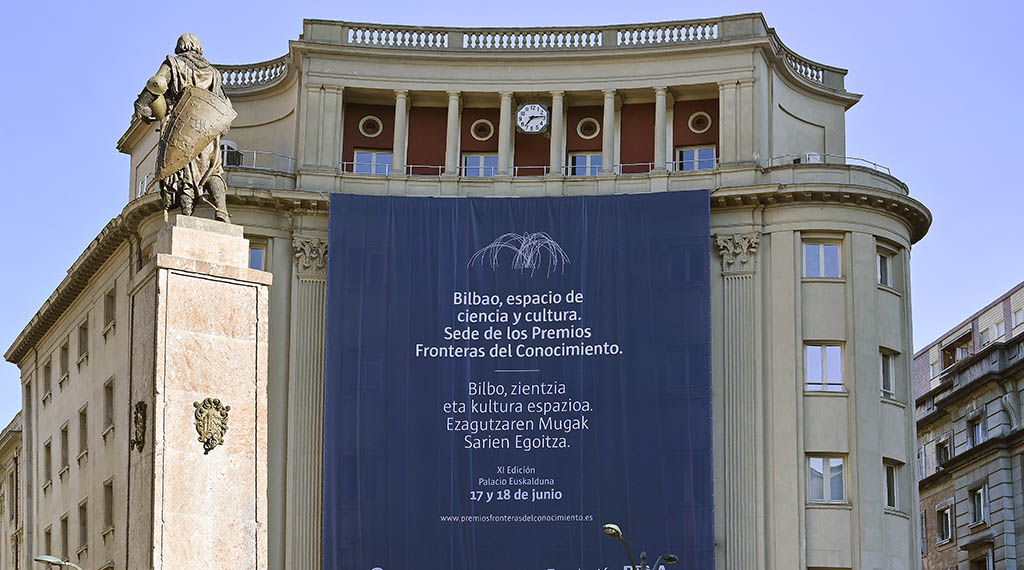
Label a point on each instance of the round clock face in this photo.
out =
(532, 118)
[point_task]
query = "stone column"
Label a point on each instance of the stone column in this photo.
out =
(659, 127)
(557, 132)
(451, 141)
(608, 133)
(728, 131)
(306, 402)
(401, 128)
(505, 130)
(742, 396)
(197, 460)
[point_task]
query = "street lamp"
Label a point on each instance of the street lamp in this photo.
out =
(54, 561)
(615, 532)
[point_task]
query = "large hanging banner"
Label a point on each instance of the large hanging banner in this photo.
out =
(506, 375)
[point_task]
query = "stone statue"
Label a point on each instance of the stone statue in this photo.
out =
(187, 98)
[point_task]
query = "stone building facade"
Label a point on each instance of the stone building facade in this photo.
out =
(12, 515)
(970, 442)
(810, 285)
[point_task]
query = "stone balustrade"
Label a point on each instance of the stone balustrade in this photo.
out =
(253, 74)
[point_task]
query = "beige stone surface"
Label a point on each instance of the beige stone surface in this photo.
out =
(208, 510)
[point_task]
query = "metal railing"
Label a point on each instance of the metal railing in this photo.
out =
(257, 159)
(824, 158)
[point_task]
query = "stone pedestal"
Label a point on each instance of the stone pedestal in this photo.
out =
(198, 359)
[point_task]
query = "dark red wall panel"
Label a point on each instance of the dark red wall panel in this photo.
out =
(681, 133)
(469, 116)
(636, 142)
(428, 128)
(354, 139)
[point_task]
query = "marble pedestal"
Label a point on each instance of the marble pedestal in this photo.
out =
(198, 331)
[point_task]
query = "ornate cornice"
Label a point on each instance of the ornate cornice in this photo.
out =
(310, 254)
(738, 251)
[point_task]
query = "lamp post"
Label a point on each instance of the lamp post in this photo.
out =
(54, 561)
(615, 532)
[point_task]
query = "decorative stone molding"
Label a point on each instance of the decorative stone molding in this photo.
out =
(1010, 404)
(138, 440)
(738, 251)
(310, 254)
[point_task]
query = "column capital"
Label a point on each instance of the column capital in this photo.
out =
(738, 252)
(454, 94)
(608, 93)
(506, 94)
(401, 93)
(310, 254)
(558, 94)
(661, 91)
(723, 85)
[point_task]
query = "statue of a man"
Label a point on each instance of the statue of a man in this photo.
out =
(187, 98)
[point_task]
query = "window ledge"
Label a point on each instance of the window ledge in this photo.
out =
(109, 328)
(63, 472)
(108, 566)
(84, 359)
(822, 279)
(888, 289)
(47, 397)
(826, 393)
(107, 533)
(944, 542)
(830, 506)
(63, 380)
(108, 433)
(83, 552)
(896, 512)
(893, 402)
(84, 456)
(47, 485)
(977, 524)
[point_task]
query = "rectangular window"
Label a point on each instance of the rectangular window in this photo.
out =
(979, 506)
(583, 164)
(695, 158)
(944, 526)
(64, 537)
(480, 165)
(83, 430)
(108, 404)
(824, 368)
(373, 162)
(942, 451)
(64, 451)
(83, 524)
(821, 260)
(109, 307)
(975, 432)
(64, 358)
(1000, 331)
(1018, 318)
(47, 462)
(892, 480)
(885, 269)
(934, 369)
(986, 337)
(108, 505)
(981, 563)
(48, 377)
(83, 340)
(12, 492)
(825, 480)
(48, 541)
(888, 390)
(924, 536)
(257, 256)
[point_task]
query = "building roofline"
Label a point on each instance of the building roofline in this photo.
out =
(970, 319)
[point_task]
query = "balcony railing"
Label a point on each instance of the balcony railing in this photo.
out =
(258, 159)
(253, 74)
(520, 171)
(575, 38)
(528, 39)
(822, 158)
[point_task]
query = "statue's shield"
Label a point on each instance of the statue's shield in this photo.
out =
(197, 119)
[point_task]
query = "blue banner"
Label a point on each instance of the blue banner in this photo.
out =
(507, 375)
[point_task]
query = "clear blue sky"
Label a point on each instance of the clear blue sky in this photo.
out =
(941, 107)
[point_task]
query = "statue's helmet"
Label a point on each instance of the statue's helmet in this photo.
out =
(188, 42)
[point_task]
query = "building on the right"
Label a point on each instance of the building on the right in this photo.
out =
(967, 387)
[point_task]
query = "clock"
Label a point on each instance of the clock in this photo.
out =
(532, 118)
